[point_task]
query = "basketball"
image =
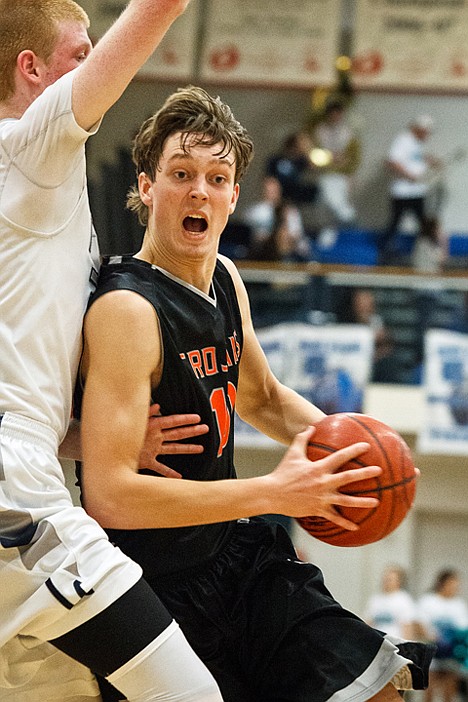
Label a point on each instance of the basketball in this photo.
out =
(395, 487)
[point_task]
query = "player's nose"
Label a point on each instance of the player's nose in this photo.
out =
(199, 190)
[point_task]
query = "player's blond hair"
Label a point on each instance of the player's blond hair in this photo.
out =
(33, 25)
(197, 116)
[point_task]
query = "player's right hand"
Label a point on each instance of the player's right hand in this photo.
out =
(302, 488)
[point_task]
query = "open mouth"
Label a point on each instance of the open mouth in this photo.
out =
(195, 224)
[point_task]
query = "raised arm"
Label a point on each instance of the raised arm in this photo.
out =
(117, 57)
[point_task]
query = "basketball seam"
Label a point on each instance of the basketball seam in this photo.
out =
(393, 459)
(383, 450)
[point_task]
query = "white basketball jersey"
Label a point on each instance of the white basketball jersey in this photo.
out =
(48, 257)
(57, 567)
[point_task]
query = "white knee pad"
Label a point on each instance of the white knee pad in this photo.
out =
(167, 670)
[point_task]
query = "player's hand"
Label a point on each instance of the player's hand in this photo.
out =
(163, 436)
(312, 488)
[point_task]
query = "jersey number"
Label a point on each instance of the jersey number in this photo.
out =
(223, 413)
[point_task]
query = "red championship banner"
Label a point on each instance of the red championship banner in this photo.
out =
(175, 57)
(411, 44)
(271, 42)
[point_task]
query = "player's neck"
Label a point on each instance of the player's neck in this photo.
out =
(198, 273)
(7, 112)
(14, 107)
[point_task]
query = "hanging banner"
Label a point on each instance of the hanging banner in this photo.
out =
(330, 366)
(175, 57)
(272, 42)
(411, 44)
(445, 421)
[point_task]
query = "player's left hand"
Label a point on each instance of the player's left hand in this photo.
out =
(163, 436)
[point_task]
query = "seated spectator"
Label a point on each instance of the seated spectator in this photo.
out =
(357, 306)
(274, 302)
(293, 168)
(266, 217)
(284, 242)
(442, 613)
(392, 609)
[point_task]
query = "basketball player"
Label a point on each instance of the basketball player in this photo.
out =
(61, 581)
(172, 323)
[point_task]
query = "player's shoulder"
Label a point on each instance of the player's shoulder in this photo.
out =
(228, 267)
(226, 262)
(121, 303)
(121, 286)
(123, 272)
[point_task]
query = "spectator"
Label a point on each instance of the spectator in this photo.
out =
(409, 164)
(285, 241)
(261, 216)
(357, 306)
(340, 151)
(293, 168)
(392, 609)
(441, 613)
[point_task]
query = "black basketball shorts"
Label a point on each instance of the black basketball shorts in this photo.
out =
(269, 630)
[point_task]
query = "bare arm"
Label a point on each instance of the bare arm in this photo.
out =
(401, 172)
(163, 437)
(117, 57)
(123, 353)
(262, 400)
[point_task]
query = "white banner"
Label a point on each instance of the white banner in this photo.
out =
(445, 422)
(175, 57)
(411, 44)
(291, 43)
(330, 366)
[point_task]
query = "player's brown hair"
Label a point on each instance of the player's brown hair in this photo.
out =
(33, 25)
(195, 114)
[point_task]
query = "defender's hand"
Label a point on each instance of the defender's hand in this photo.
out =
(163, 436)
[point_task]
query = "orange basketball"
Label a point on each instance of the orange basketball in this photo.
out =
(395, 487)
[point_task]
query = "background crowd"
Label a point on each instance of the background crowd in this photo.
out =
(439, 615)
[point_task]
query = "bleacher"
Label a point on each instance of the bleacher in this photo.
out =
(409, 301)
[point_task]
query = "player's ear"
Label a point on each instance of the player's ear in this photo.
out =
(27, 64)
(144, 188)
(235, 197)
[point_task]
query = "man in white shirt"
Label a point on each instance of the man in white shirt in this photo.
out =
(409, 164)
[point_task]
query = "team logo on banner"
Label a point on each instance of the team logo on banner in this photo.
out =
(445, 425)
(330, 366)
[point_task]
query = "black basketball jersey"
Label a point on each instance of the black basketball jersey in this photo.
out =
(202, 344)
